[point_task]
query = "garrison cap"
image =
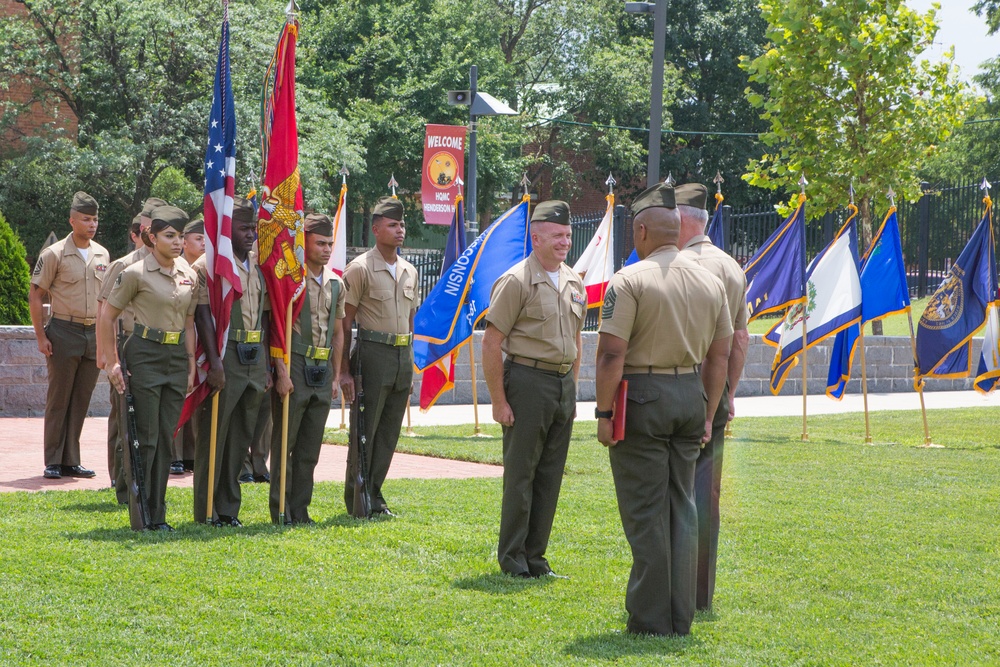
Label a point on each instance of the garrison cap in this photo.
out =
(660, 195)
(168, 216)
(136, 223)
(84, 203)
(691, 194)
(150, 204)
(196, 226)
(389, 207)
(243, 210)
(317, 223)
(553, 210)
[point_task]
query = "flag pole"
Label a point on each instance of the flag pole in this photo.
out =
(719, 180)
(805, 311)
(919, 384)
(475, 394)
(343, 425)
(211, 458)
(864, 383)
(410, 433)
(284, 418)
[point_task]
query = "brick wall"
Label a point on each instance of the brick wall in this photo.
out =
(23, 376)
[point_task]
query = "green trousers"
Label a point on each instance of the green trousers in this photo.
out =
(158, 383)
(308, 408)
(387, 373)
(255, 462)
(653, 469)
(707, 489)
(534, 458)
(72, 376)
(239, 402)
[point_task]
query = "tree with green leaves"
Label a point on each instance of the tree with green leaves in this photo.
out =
(14, 277)
(846, 102)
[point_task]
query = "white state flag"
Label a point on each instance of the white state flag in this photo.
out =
(597, 263)
(988, 372)
(833, 302)
(338, 259)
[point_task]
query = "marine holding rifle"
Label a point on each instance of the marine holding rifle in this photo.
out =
(317, 339)
(162, 293)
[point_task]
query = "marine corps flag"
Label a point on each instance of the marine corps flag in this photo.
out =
(281, 225)
(959, 308)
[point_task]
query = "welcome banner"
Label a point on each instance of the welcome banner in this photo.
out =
(444, 159)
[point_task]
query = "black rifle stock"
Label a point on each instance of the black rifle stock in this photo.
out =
(135, 478)
(362, 505)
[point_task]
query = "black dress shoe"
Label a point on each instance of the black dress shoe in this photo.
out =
(53, 472)
(226, 520)
(162, 526)
(77, 471)
(384, 512)
(177, 468)
(262, 479)
(188, 465)
(518, 575)
(246, 478)
(549, 573)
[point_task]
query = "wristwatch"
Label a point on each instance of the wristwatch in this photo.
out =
(603, 414)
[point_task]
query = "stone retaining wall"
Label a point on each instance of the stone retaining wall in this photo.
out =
(23, 376)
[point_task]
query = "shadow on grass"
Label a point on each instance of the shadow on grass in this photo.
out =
(102, 507)
(498, 583)
(617, 644)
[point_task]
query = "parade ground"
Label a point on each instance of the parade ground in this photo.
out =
(832, 553)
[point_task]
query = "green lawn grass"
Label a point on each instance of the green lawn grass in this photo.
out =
(894, 325)
(832, 553)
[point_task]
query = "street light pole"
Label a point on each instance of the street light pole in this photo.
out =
(658, 9)
(472, 228)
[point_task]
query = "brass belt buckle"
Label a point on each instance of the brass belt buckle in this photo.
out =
(253, 337)
(171, 337)
(402, 339)
(321, 353)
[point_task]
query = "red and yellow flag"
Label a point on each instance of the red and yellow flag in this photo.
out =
(281, 225)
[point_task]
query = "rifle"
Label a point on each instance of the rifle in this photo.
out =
(362, 506)
(135, 478)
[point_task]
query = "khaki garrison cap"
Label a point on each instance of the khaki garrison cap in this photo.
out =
(553, 210)
(196, 226)
(243, 210)
(84, 203)
(694, 195)
(389, 207)
(168, 216)
(150, 204)
(660, 195)
(317, 223)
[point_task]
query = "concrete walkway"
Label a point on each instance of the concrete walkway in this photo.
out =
(21, 443)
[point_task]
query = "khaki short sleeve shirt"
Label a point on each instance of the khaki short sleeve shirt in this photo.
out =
(383, 303)
(320, 303)
(73, 283)
(725, 268)
(538, 320)
(668, 308)
(160, 298)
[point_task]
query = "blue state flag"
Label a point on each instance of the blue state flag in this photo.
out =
(958, 309)
(714, 231)
(776, 274)
(461, 296)
(884, 292)
(455, 245)
(631, 259)
(833, 303)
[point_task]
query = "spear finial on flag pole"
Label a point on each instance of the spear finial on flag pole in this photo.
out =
(525, 185)
(611, 182)
(292, 10)
(850, 191)
(344, 173)
(393, 184)
(803, 182)
(669, 181)
(718, 180)
(891, 194)
(459, 183)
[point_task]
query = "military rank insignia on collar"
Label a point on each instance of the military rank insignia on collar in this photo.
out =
(579, 298)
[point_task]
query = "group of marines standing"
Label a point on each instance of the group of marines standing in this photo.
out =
(673, 325)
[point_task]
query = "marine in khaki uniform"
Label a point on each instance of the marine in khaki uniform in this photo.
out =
(70, 272)
(184, 441)
(382, 295)
(139, 235)
(665, 328)
(317, 339)
(162, 291)
(241, 376)
(692, 199)
(537, 309)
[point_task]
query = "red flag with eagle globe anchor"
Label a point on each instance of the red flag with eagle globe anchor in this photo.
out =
(281, 224)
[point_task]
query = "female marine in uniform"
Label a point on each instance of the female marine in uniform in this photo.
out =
(162, 292)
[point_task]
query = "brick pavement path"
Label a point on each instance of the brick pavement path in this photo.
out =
(21, 461)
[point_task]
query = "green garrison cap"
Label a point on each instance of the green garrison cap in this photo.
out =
(660, 195)
(243, 210)
(196, 226)
(317, 223)
(389, 207)
(150, 204)
(691, 194)
(84, 203)
(553, 210)
(168, 216)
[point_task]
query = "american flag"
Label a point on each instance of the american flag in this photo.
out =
(224, 284)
